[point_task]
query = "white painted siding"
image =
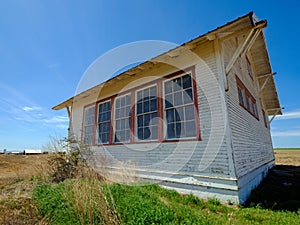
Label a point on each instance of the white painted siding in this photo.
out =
(211, 153)
(252, 144)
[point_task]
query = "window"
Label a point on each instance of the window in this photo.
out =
(179, 108)
(103, 123)
(146, 114)
(250, 104)
(88, 129)
(165, 110)
(122, 119)
(246, 100)
(242, 96)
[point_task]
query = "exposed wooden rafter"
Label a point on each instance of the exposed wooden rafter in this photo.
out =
(245, 46)
(265, 75)
(275, 114)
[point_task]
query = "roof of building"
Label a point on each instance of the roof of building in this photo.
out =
(33, 151)
(261, 61)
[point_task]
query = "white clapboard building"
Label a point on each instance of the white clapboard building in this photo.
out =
(195, 118)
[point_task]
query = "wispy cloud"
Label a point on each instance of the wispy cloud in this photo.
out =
(56, 119)
(62, 126)
(288, 133)
(289, 115)
(33, 108)
(14, 105)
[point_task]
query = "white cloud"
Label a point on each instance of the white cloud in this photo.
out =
(291, 133)
(34, 108)
(289, 115)
(56, 119)
(62, 126)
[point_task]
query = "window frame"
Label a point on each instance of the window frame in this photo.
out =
(85, 108)
(136, 139)
(97, 121)
(194, 103)
(159, 83)
(246, 96)
(129, 117)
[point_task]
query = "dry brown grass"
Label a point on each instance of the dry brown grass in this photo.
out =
(16, 184)
(18, 175)
(22, 166)
(287, 157)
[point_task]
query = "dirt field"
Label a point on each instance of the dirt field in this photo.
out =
(21, 166)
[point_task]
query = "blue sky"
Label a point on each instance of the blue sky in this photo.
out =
(45, 47)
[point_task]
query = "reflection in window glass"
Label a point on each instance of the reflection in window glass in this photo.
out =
(103, 122)
(88, 130)
(122, 119)
(146, 114)
(179, 107)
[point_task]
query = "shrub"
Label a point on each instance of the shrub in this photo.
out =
(69, 159)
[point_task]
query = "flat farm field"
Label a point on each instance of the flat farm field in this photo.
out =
(289, 157)
(22, 166)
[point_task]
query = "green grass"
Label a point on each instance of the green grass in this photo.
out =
(151, 204)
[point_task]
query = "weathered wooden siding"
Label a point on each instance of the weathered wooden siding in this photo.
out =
(252, 144)
(198, 163)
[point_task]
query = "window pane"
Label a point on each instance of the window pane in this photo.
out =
(153, 105)
(140, 121)
(255, 109)
(179, 116)
(146, 107)
(139, 108)
(187, 81)
(147, 133)
(177, 84)
(178, 129)
(168, 87)
(189, 112)
(146, 120)
(178, 99)
(171, 130)
(188, 96)
(153, 93)
(170, 115)
(140, 134)
(169, 101)
(190, 128)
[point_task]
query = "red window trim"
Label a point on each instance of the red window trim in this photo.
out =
(247, 95)
(159, 83)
